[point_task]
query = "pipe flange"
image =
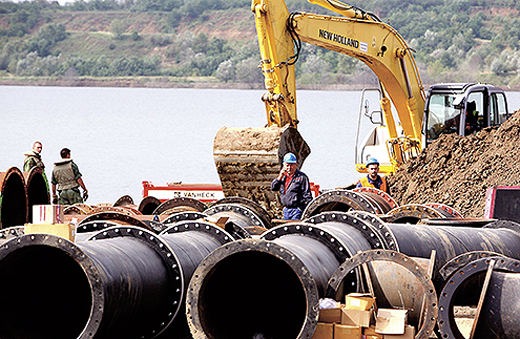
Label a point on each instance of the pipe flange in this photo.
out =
(450, 211)
(508, 224)
(447, 325)
(380, 227)
(123, 201)
(381, 194)
(82, 258)
(341, 252)
(255, 207)
(411, 213)
(11, 232)
(177, 217)
(429, 315)
(238, 209)
(373, 237)
(200, 226)
(80, 209)
(456, 263)
(252, 245)
(180, 204)
(456, 222)
(255, 230)
(115, 216)
(123, 210)
(156, 226)
(353, 201)
(171, 261)
(148, 205)
(94, 226)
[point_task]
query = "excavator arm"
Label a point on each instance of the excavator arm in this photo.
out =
(278, 58)
(357, 34)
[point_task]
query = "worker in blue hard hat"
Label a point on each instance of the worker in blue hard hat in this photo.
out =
(294, 187)
(373, 179)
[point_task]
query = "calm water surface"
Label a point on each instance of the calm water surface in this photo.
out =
(120, 137)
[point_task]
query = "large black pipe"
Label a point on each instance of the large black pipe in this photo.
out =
(13, 199)
(283, 277)
(499, 314)
(448, 242)
(344, 201)
(37, 190)
(258, 210)
(255, 287)
(124, 282)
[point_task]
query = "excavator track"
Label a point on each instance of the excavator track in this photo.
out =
(249, 159)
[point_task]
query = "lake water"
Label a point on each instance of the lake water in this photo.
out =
(120, 137)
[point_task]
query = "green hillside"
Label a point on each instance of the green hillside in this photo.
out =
(214, 42)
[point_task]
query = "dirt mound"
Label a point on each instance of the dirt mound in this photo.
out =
(457, 170)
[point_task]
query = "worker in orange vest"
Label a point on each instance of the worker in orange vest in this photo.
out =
(373, 179)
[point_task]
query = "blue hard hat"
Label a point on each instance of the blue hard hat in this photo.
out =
(372, 161)
(289, 158)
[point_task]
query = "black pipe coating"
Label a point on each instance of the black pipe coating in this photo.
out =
(37, 190)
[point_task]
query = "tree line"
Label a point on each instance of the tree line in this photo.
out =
(452, 41)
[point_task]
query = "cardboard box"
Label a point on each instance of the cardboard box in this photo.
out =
(409, 333)
(356, 317)
(48, 214)
(390, 321)
(347, 331)
(359, 301)
(324, 331)
(67, 231)
(332, 315)
(370, 333)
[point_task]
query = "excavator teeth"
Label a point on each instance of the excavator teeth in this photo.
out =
(249, 159)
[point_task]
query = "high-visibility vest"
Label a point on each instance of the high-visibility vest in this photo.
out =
(365, 183)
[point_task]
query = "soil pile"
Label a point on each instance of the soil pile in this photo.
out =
(457, 171)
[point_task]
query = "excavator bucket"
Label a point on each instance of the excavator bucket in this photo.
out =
(249, 159)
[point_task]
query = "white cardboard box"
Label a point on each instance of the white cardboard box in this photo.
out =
(48, 214)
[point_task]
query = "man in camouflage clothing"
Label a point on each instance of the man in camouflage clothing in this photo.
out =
(33, 158)
(67, 177)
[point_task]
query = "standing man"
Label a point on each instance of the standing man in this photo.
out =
(33, 158)
(373, 179)
(294, 187)
(67, 177)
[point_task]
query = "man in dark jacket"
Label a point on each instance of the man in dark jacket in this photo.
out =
(294, 187)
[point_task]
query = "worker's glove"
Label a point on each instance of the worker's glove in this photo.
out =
(54, 199)
(85, 195)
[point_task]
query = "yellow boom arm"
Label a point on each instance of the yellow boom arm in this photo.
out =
(356, 34)
(277, 62)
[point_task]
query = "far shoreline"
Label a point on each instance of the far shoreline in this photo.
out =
(175, 82)
(164, 82)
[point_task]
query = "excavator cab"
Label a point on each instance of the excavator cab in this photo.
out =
(463, 109)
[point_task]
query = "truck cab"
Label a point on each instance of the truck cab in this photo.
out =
(463, 109)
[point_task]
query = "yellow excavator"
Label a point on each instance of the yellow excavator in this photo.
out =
(248, 159)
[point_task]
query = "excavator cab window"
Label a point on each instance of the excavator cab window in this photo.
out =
(498, 109)
(442, 115)
(475, 118)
